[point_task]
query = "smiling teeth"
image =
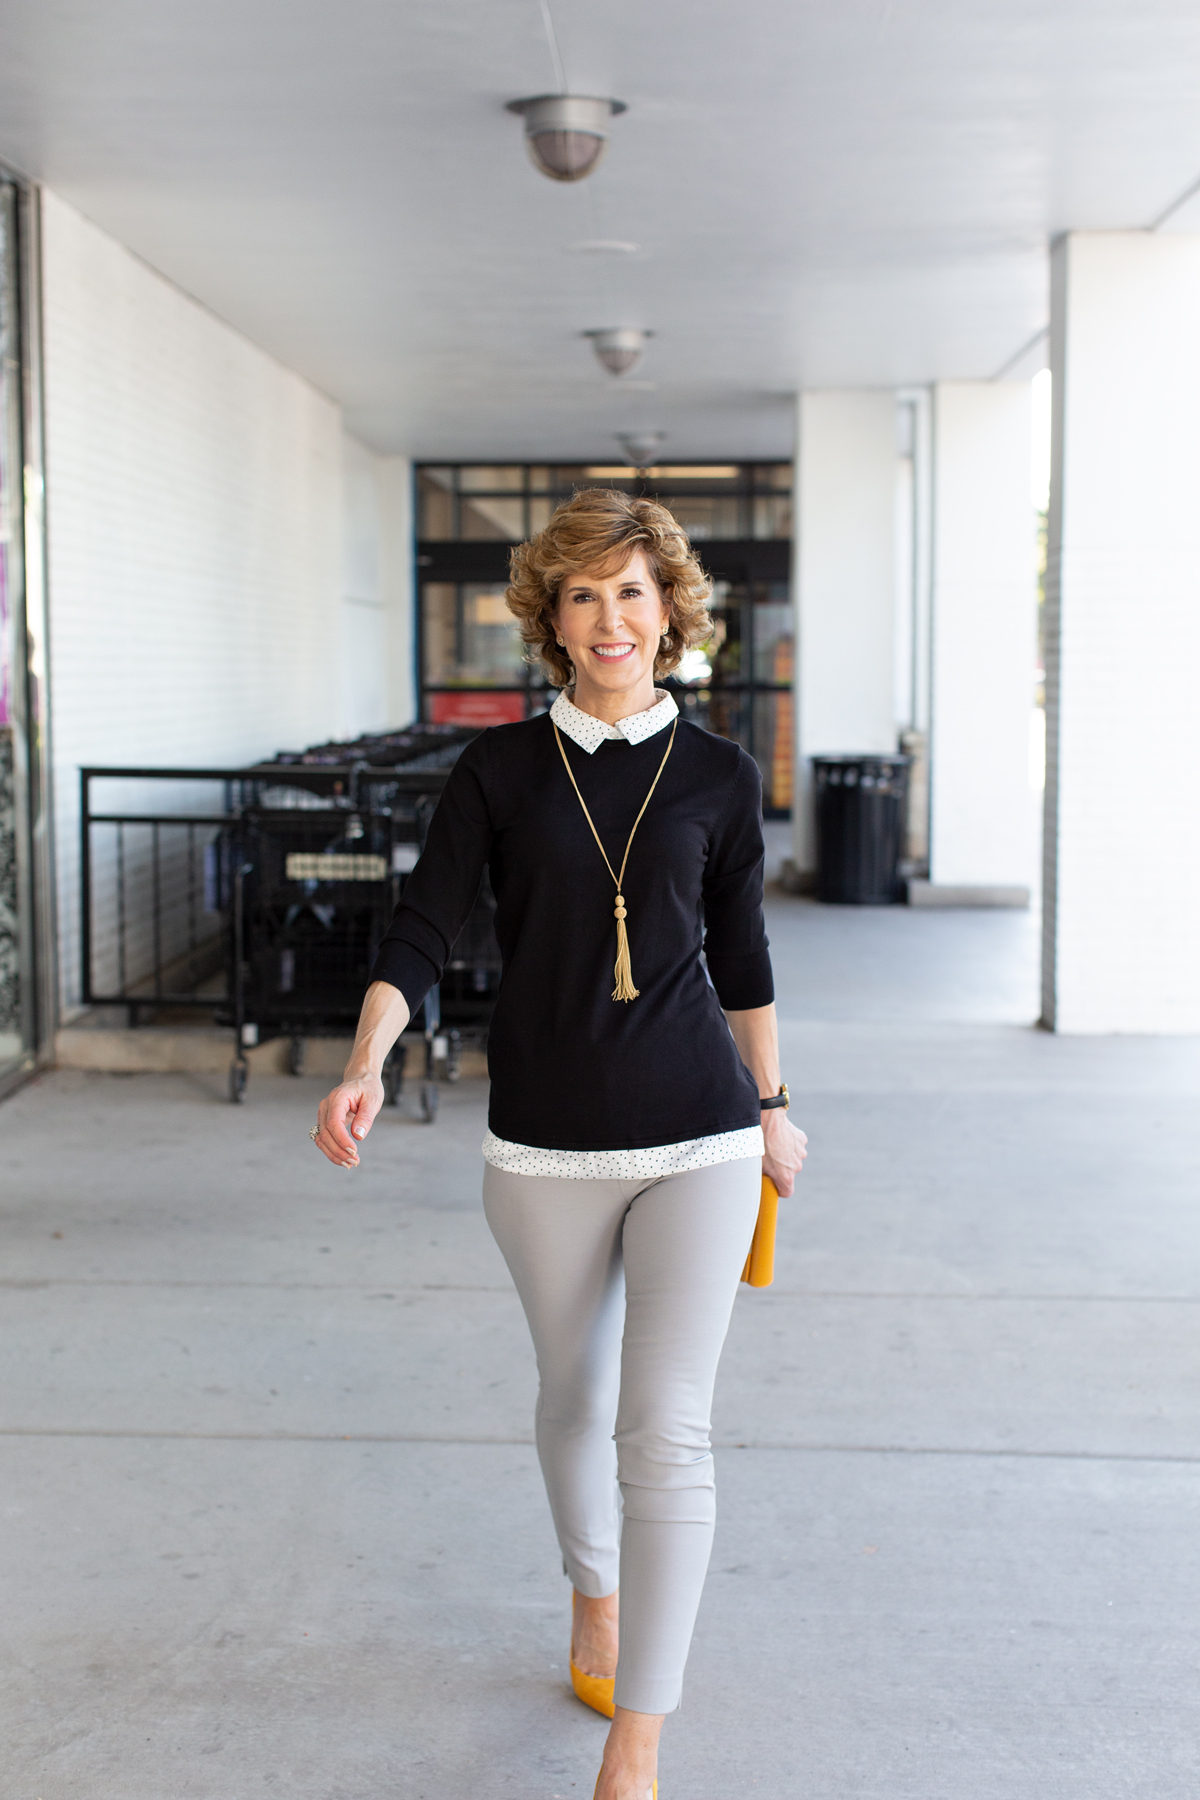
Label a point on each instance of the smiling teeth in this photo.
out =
(613, 653)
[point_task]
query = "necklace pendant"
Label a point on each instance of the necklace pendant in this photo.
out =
(619, 908)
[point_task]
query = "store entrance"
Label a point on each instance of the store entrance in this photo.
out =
(25, 1010)
(738, 516)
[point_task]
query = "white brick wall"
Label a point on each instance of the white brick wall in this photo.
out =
(194, 503)
(1122, 950)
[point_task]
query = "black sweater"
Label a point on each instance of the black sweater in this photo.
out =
(571, 1068)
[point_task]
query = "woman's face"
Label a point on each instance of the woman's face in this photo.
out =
(612, 625)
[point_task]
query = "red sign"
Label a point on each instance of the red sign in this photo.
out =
(476, 708)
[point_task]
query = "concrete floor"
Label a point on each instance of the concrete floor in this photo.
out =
(273, 1523)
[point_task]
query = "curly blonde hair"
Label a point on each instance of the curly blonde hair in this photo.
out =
(600, 529)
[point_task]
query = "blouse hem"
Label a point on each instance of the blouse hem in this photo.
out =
(642, 1164)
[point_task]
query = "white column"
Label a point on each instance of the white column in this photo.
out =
(983, 810)
(397, 554)
(845, 584)
(1122, 859)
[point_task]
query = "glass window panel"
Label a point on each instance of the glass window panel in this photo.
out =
(470, 635)
(695, 666)
(494, 520)
(724, 649)
(725, 713)
(438, 622)
(539, 514)
(608, 475)
(772, 517)
(492, 478)
(773, 633)
(711, 478)
(773, 743)
(706, 518)
(434, 489)
(15, 939)
(539, 480)
(774, 475)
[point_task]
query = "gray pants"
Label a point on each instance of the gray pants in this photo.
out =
(628, 1287)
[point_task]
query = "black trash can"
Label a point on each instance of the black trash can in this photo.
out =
(860, 822)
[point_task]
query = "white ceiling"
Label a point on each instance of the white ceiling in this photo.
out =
(826, 192)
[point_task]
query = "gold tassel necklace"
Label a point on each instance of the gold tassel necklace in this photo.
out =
(623, 971)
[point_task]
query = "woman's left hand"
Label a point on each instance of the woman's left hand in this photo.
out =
(786, 1148)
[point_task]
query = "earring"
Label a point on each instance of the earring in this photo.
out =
(562, 643)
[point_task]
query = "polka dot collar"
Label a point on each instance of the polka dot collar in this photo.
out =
(589, 733)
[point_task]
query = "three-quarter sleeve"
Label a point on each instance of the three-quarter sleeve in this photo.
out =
(735, 939)
(443, 887)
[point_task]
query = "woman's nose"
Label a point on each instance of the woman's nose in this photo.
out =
(610, 616)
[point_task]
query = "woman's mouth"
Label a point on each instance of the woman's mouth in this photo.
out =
(612, 652)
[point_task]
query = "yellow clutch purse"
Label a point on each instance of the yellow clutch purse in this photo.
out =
(760, 1264)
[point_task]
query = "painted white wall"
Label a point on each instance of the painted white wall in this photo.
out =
(983, 811)
(395, 487)
(845, 583)
(1122, 863)
(364, 700)
(379, 643)
(195, 503)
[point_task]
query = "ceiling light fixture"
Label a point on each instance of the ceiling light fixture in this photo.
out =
(565, 134)
(639, 447)
(621, 348)
(607, 247)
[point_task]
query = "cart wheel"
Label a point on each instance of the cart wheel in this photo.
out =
(454, 1056)
(429, 1101)
(239, 1074)
(295, 1056)
(393, 1076)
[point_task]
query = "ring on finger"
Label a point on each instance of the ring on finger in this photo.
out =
(314, 1132)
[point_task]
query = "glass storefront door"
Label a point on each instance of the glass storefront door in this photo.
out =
(738, 515)
(24, 1011)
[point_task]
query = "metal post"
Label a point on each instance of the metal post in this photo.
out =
(156, 880)
(85, 882)
(121, 907)
(191, 893)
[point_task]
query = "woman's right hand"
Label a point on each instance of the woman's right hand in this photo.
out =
(346, 1115)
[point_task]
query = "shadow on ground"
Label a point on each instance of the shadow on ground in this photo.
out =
(273, 1520)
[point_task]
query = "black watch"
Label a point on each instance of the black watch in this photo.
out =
(779, 1099)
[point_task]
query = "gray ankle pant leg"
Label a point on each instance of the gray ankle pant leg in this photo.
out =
(628, 1288)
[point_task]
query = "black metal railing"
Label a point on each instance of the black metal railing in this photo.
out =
(152, 931)
(260, 894)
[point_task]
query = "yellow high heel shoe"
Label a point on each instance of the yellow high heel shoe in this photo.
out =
(595, 1691)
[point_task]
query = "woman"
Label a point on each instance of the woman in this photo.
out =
(630, 1119)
